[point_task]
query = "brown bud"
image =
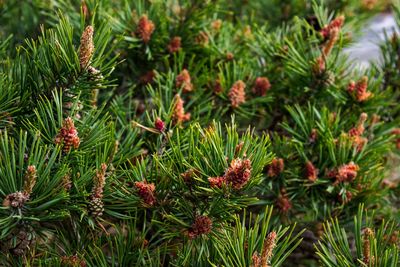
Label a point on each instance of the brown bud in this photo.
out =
(30, 179)
(87, 47)
(268, 247)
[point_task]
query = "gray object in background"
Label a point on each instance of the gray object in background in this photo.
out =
(366, 48)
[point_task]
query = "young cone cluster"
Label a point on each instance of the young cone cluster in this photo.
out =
(96, 205)
(237, 95)
(67, 136)
(145, 28)
(146, 192)
(202, 225)
(237, 175)
(18, 199)
(87, 47)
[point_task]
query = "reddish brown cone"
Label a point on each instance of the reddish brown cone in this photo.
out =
(183, 80)
(202, 225)
(311, 172)
(276, 167)
(146, 192)
(261, 86)
(239, 173)
(145, 28)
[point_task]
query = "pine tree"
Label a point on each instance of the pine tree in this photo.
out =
(195, 133)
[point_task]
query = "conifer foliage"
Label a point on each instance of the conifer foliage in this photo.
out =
(196, 133)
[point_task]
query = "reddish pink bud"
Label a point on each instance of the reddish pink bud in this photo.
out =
(313, 135)
(311, 172)
(351, 87)
(396, 131)
(216, 181)
(261, 86)
(159, 125)
(361, 90)
(174, 45)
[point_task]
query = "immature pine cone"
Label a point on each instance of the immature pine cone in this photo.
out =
(201, 226)
(145, 29)
(237, 95)
(18, 199)
(269, 245)
(96, 205)
(146, 192)
(19, 240)
(68, 136)
(345, 173)
(15, 200)
(239, 173)
(261, 86)
(283, 202)
(311, 172)
(179, 115)
(276, 167)
(217, 181)
(174, 45)
(183, 80)
(87, 47)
